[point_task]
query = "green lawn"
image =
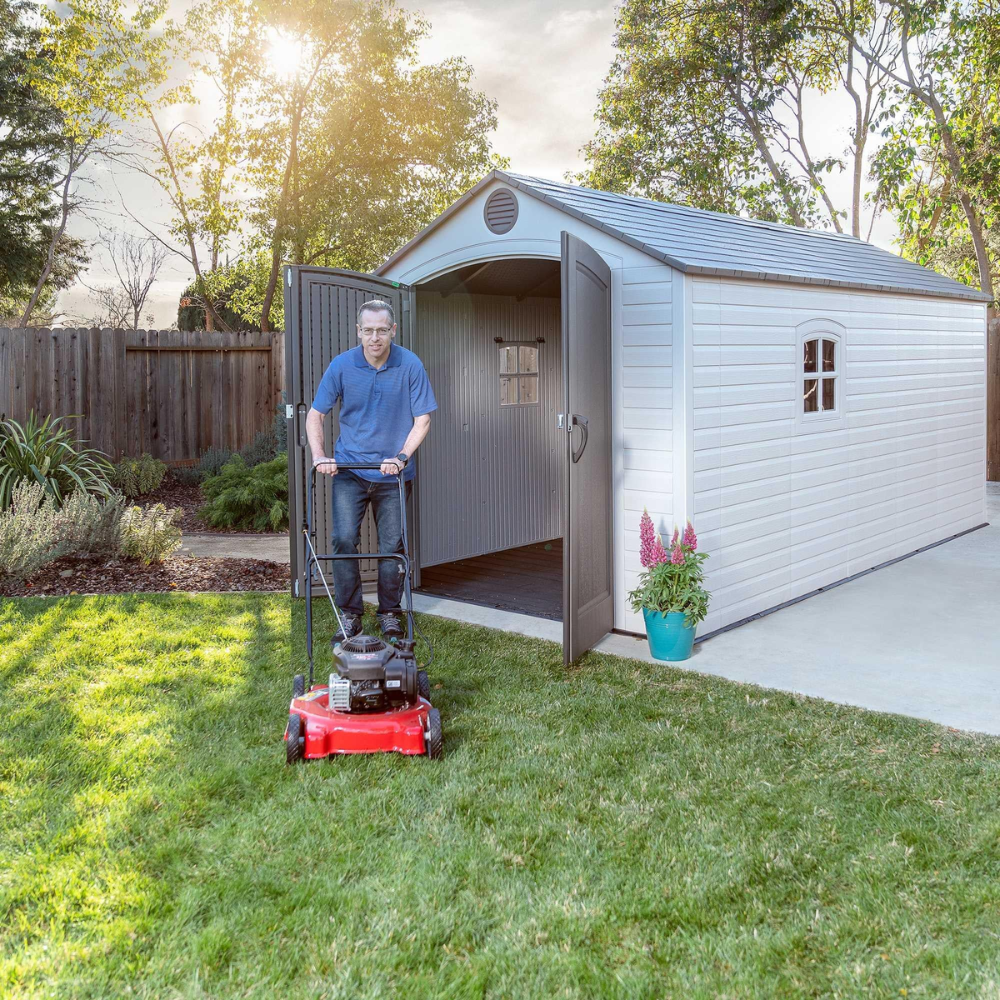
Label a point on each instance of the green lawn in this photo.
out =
(618, 830)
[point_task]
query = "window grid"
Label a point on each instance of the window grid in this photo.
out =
(518, 374)
(820, 370)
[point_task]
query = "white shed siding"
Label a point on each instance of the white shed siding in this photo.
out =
(644, 384)
(783, 509)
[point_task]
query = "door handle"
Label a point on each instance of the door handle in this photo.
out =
(581, 422)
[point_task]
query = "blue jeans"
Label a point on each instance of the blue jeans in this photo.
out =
(351, 496)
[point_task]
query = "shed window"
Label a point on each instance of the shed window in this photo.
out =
(820, 371)
(518, 374)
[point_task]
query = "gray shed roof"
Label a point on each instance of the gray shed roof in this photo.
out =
(696, 241)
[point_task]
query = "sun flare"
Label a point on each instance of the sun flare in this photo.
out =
(286, 54)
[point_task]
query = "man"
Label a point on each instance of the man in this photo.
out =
(385, 405)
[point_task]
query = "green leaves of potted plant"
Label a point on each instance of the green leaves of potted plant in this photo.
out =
(670, 592)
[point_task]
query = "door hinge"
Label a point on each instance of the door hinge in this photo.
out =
(289, 411)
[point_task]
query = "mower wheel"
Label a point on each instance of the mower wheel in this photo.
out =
(435, 738)
(423, 684)
(298, 686)
(295, 746)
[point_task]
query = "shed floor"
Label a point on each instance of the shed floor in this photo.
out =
(527, 579)
(916, 638)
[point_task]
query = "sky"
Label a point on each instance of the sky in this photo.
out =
(543, 61)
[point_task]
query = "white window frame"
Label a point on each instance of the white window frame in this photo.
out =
(820, 330)
(536, 374)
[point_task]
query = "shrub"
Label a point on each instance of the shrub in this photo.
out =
(48, 454)
(30, 533)
(212, 462)
(250, 499)
(150, 534)
(137, 476)
(263, 448)
(91, 526)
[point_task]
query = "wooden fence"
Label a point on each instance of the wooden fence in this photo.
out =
(171, 394)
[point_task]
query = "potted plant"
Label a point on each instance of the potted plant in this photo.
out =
(670, 591)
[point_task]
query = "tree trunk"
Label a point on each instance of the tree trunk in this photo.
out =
(57, 235)
(280, 220)
(180, 202)
(761, 143)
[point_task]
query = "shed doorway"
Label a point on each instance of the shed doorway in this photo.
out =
(490, 483)
(320, 314)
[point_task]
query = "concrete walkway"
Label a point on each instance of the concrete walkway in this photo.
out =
(920, 638)
(236, 546)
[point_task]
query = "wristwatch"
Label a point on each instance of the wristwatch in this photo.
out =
(403, 457)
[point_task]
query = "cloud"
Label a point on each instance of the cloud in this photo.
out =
(542, 63)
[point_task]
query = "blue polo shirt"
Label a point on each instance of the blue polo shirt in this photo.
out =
(377, 407)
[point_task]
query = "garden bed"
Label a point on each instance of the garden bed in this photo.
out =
(84, 575)
(175, 492)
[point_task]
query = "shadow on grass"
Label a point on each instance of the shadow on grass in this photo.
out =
(127, 723)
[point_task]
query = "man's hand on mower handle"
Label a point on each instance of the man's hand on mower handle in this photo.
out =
(325, 465)
(391, 466)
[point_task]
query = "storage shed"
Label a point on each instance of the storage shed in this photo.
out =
(815, 405)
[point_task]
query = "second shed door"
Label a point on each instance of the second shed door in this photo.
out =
(588, 566)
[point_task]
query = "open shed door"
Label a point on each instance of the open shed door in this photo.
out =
(588, 572)
(321, 307)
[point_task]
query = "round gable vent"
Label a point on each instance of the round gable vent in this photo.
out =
(500, 211)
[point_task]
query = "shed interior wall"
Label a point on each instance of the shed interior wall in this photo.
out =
(783, 509)
(490, 477)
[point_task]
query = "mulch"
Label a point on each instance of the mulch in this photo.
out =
(84, 575)
(173, 492)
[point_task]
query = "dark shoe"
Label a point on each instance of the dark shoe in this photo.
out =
(352, 626)
(391, 624)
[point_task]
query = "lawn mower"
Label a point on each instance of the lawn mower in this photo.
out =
(377, 698)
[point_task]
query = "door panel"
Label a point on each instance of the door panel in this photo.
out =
(588, 573)
(321, 306)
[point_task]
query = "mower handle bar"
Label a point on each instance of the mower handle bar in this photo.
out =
(315, 557)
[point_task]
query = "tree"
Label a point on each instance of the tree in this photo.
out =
(690, 111)
(707, 104)
(201, 173)
(31, 141)
(939, 169)
(227, 285)
(360, 146)
(136, 264)
(95, 66)
(112, 308)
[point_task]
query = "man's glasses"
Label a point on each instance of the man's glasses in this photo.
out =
(380, 330)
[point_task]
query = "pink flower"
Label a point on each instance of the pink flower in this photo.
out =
(647, 536)
(673, 541)
(690, 538)
(677, 555)
(658, 554)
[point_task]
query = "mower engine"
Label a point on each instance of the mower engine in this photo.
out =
(373, 676)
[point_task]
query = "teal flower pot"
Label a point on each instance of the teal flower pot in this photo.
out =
(669, 638)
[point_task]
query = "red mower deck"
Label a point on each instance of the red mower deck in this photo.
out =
(329, 732)
(381, 693)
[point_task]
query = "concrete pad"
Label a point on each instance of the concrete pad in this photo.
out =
(916, 638)
(473, 614)
(236, 546)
